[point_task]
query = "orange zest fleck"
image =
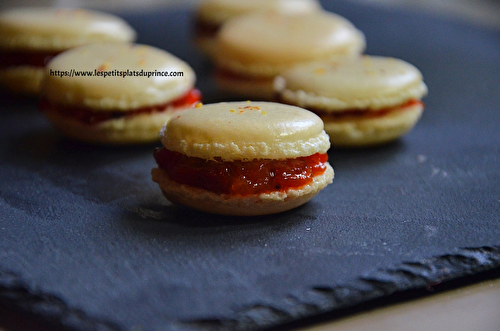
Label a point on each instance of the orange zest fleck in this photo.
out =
(102, 67)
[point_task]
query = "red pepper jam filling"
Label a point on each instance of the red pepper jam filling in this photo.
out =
(226, 74)
(357, 113)
(239, 177)
(87, 116)
(29, 58)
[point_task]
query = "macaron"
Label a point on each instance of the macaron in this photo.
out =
(253, 49)
(212, 14)
(243, 158)
(116, 93)
(365, 101)
(30, 37)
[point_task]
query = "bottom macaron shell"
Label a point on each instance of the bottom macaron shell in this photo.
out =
(252, 205)
(22, 79)
(136, 129)
(360, 132)
(206, 45)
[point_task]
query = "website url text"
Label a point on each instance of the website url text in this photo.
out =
(114, 73)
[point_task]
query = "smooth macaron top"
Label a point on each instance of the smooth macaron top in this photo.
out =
(267, 43)
(56, 29)
(219, 11)
(169, 78)
(245, 131)
(367, 82)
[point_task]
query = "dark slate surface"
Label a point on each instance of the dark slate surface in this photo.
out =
(87, 241)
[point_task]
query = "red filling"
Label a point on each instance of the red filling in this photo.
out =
(239, 177)
(350, 113)
(29, 58)
(88, 116)
(229, 75)
(366, 113)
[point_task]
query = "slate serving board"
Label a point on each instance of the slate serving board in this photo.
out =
(87, 242)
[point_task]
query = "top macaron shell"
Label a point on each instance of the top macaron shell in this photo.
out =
(261, 43)
(116, 93)
(245, 131)
(219, 11)
(369, 82)
(55, 29)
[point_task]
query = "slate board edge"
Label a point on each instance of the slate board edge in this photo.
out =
(407, 276)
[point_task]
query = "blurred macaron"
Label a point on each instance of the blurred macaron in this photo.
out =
(212, 14)
(30, 37)
(365, 101)
(253, 49)
(116, 93)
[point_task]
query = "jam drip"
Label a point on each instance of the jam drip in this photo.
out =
(87, 116)
(239, 177)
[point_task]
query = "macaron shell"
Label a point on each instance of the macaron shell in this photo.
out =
(117, 93)
(219, 11)
(235, 205)
(368, 83)
(369, 131)
(137, 129)
(22, 79)
(260, 43)
(245, 131)
(206, 44)
(53, 29)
